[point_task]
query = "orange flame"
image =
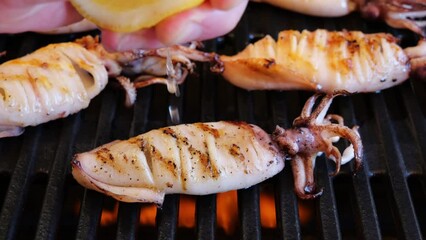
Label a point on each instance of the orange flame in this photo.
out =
(226, 214)
(147, 215)
(109, 217)
(187, 211)
(227, 211)
(268, 217)
(306, 211)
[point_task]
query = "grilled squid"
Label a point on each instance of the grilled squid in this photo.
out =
(51, 83)
(61, 79)
(206, 158)
(409, 14)
(325, 61)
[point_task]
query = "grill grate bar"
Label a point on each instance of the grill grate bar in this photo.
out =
(249, 213)
(92, 201)
(90, 215)
(286, 206)
(206, 217)
(51, 209)
(366, 214)
(128, 220)
(167, 218)
(285, 199)
(417, 121)
(140, 112)
(18, 186)
(327, 201)
(396, 170)
(366, 207)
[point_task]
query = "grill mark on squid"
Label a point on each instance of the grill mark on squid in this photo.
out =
(33, 84)
(206, 128)
(138, 141)
(104, 156)
(27, 95)
(205, 161)
(180, 142)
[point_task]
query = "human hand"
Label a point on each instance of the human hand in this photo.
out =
(211, 19)
(35, 15)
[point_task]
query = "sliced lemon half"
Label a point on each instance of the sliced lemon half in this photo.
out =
(130, 15)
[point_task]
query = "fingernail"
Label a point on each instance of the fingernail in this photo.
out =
(188, 32)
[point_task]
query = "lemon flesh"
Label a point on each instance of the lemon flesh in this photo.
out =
(130, 15)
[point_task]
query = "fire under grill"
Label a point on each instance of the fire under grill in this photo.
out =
(40, 199)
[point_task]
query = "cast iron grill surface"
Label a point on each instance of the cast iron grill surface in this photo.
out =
(39, 198)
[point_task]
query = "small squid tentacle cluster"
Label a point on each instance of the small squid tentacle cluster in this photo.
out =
(314, 132)
(408, 14)
(417, 55)
(169, 66)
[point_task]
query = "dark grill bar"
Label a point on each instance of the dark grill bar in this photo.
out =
(384, 200)
(396, 171)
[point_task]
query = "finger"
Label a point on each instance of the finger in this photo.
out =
(40, 17)
(145, 38)
(24, 3)
(204, 22)
(225, 4)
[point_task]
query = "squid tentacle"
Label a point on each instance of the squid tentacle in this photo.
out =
(317, 115)
(152, 62)
(334, 154)
(307, 108)
(304, 183)
(417, 55)
(351, 134)
(314, 132)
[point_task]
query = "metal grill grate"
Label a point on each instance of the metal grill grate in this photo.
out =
(39, 199)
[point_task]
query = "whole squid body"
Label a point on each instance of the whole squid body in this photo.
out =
(61, 79)
(409, 14)
(206, 158)
(325, 61)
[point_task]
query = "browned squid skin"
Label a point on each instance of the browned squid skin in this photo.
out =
(312, 133)
(410, 14)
